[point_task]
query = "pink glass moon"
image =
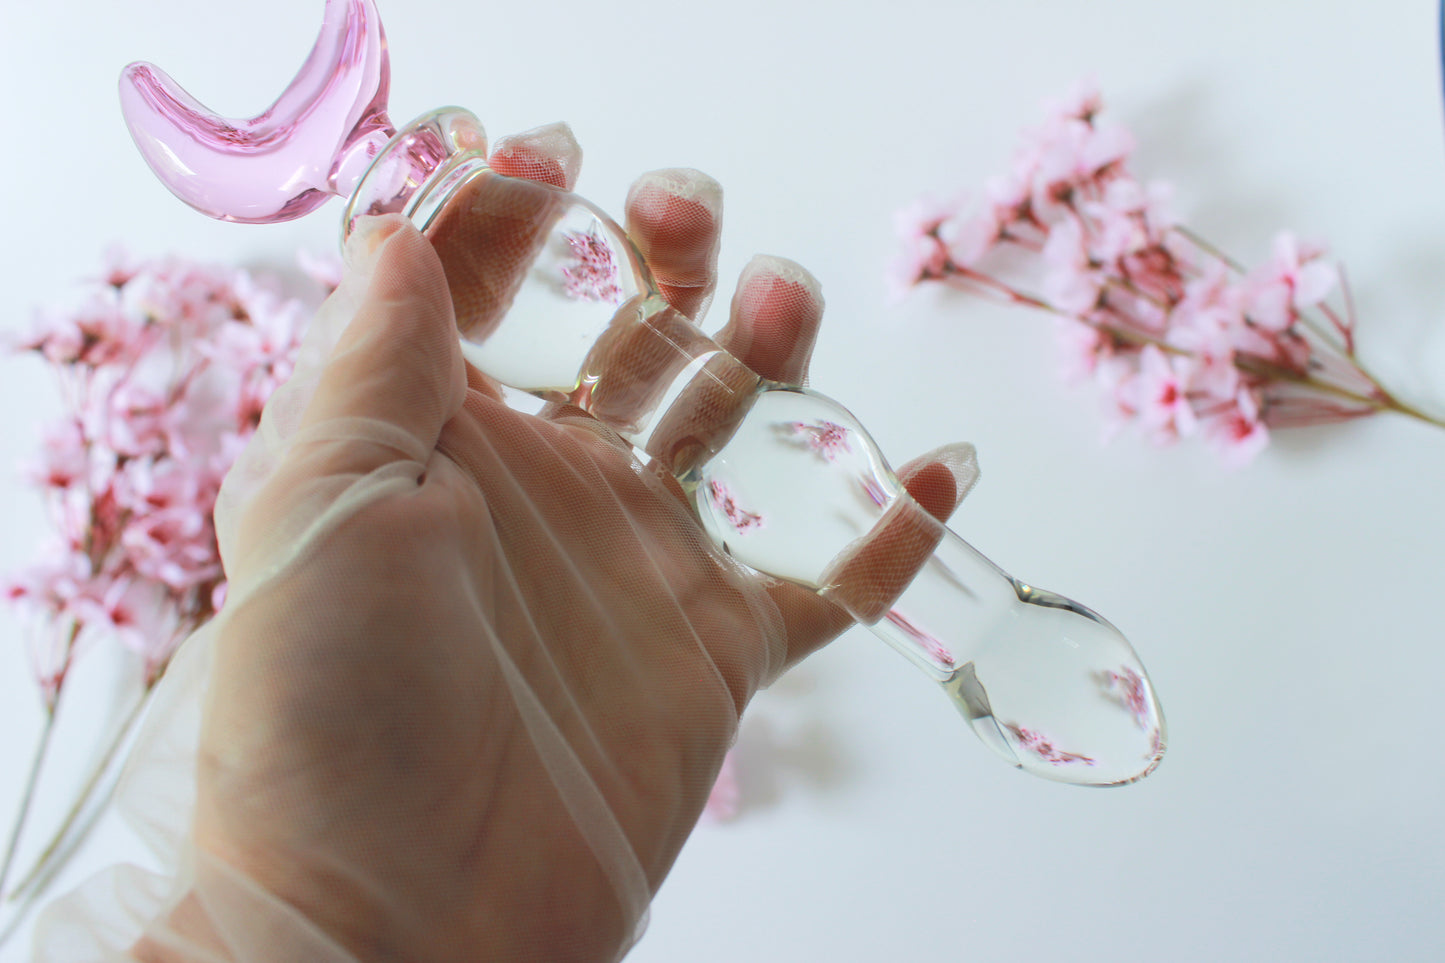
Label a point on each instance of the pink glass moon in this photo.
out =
(315, 141)
(791, 487)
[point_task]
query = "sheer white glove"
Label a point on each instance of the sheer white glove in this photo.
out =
(478, 669)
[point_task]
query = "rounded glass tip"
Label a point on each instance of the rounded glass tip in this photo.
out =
(1058, 692)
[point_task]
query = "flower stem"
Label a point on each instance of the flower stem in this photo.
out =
(42, 863)
(42, 748)
(1210, 249)
(1391, 403)
(37, 891)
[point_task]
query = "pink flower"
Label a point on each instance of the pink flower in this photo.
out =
(1126, 307)
(78, 601)
(920, 259)
(1114, 234)
(50, 583)
(1082, 101)
(1295, 279)
(1005, 214)
(924, 217)
(1207, 323)
(137, 420)
(1076, 160)
(1012, 195)
(218, 596)
(1082, 346)
(120, 267)
(98, 332)
(1073, 283)
(826, 438)
(1237, 431)
(64, 458)
(168, 537)
(725, 800)
(325, 269)
(258, 351)
(1125, 687)
(922, 254)
(1043, 747)
(1150, 205)
(592, 274)
(166, 365)
(134, 612)
(1163, 397)
(1118, 378)
(723, 498)
(182, 296)
(968, 240)
(1178, 337)
(1127, 233)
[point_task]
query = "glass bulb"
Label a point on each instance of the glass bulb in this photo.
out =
(552, 298)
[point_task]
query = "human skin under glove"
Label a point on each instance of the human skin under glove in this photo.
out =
(478, 669)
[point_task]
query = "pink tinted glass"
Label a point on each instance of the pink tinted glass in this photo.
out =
(314, 141)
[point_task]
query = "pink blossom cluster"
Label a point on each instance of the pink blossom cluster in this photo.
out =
(164, 367)
(1043, 747)
(722, 497)
(1182, 340)
(592, 274)
(827, 438)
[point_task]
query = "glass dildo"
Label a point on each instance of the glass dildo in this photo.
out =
(784, 478)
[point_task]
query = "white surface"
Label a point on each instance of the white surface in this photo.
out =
(1288, 613)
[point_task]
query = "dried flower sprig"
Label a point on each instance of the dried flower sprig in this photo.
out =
(164, 367)
(1182, 339)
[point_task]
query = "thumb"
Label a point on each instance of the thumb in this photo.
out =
(396, 375)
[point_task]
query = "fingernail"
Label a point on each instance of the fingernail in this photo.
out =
(656, 187)
(769, 269)
(550, 154)
(961, 461)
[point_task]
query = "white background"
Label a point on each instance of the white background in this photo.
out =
(1290, 613)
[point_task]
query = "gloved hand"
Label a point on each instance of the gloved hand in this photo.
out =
(477, 669)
